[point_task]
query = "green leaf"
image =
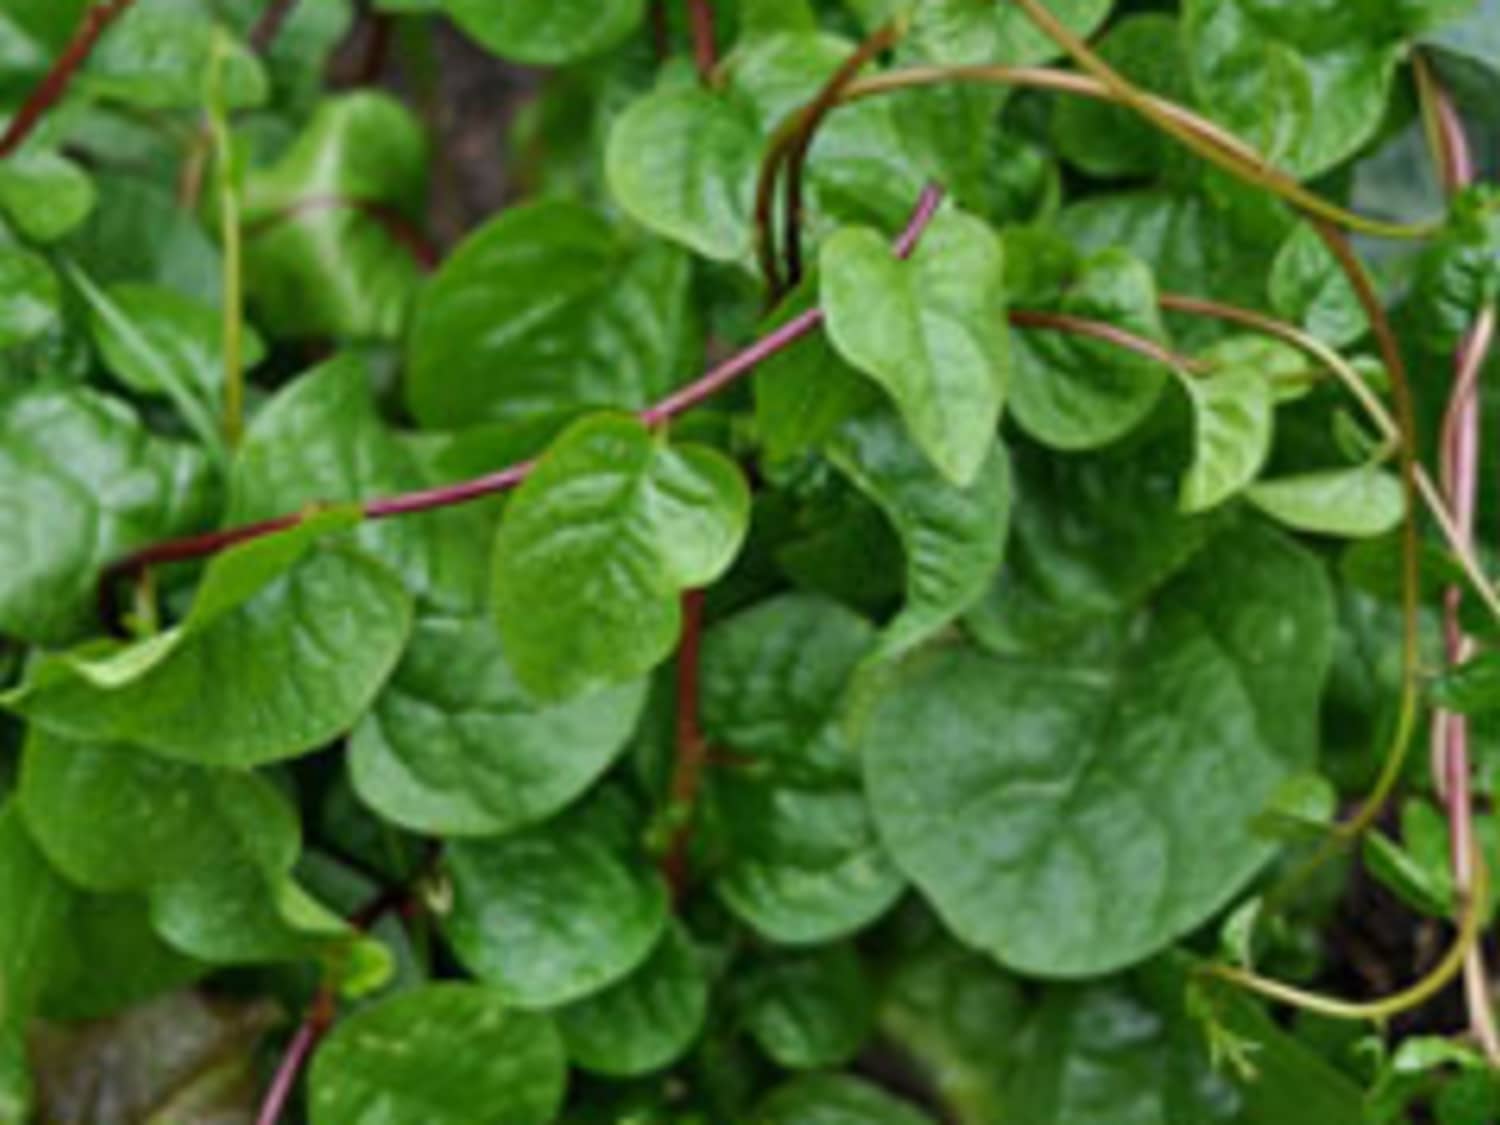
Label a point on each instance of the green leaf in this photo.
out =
(431, 1056)
(553, 914)
(44, 194)
(1071, 391)
(1308, 287)
(801, 862)
(1304, 83)
(213, 849)
(808, 1010)
(1071, 816)
(29, 296)
(328, 226)
(597, 547)
(546, 31)
(158, 53)
(154, 340)
(547, 307)
(973, 31)
(929, 330)
(82, 482)
(1357, 503)
(834, 1099)
(475, 755)
(682, 162)
(285, 647)
(1193, 245)
(321, 440)
(1233, 410)
(954, 538)
(646, 1021)
(1092, 536)
(1457, 274)
(1112, 141)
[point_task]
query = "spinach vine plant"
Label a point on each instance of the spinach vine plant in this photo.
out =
(924, 561)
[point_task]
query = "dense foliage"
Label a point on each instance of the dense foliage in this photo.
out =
(909, 576)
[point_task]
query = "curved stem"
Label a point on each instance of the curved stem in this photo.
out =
(443, 496)
(1471, 926)
(1110, 334)
(1256, 169)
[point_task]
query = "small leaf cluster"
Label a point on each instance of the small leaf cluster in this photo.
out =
(890, 736)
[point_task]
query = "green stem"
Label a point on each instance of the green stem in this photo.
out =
(233, 328)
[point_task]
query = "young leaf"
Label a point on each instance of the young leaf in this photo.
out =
(477, 756)
(543, 309)
(929, 330)
(1307, 286)
(1358, 503)
(646, 1021)
(1125, 783)
(285, 647)
(597, 547)
(328, 245)
(155, 58)
(802, 864)
(546, 31)
(1233, 412)
(81, 482)
(556, 913)
(432, 1055)
(962, 31)
(954, 538)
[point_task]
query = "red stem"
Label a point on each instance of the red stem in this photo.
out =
(264, 33)
(705, 53)
(52, 87)
(716, 379)
(312, 1029)
(692, 749)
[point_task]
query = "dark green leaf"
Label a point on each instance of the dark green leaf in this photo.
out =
(1072, 816)
(808, 1010)
(474, 755)
(834, 1099)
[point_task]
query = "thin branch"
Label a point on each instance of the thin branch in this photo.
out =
(309, 1033)
(1110, 334)
(692, 748)
(709, 384)
(51, 89)
(705, 52)
(263, 34)
(396, 225)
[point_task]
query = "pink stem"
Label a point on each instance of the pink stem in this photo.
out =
(443, 496)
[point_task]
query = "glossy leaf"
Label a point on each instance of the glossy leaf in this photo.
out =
(81, 482)
(963, 31)
(597, 546)
(802, 861)
(45, 194)
(475, 755)
(158, 54)
(287, 644)
(1306, 285)
(808, 1010)
(929, 330)
(1233, 409)
(553, 914)
(834, 1099)
(548, 308)
(29, 296)
(1123, 782)
(432, 1055)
